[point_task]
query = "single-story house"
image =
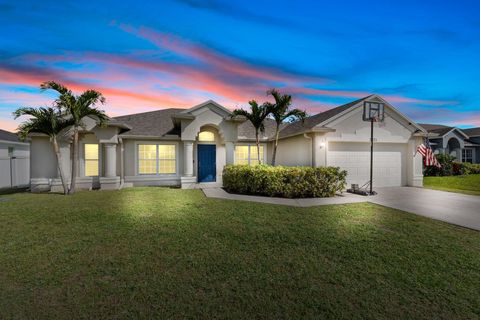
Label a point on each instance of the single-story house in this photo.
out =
(463, 144)
(14, 161)
(185, 147)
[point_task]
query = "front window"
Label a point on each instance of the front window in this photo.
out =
(157, 159)
(248, 154)
(468, 155)
(91, 160)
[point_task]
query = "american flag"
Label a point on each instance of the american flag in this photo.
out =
(428, 156)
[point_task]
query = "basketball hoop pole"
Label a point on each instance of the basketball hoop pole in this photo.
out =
(371, 156)
(374, 112)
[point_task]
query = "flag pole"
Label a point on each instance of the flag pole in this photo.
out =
(371, 156)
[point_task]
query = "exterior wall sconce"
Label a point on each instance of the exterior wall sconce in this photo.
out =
(322, 145)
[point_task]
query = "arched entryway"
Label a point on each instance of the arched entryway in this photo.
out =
(454, 148)
(208, 141)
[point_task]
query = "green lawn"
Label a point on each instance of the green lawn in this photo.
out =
(169, 253)
(469, 184)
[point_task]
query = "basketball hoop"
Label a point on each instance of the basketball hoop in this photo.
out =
(372, 112)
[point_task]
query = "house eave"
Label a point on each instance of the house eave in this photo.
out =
(138, 136)
(313, 130)
(183, 116)
(14, 142)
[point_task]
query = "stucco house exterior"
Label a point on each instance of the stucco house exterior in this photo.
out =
(463, 144)
(185, 147)
(14, 161)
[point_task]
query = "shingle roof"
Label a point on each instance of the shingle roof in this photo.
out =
(159, 123)
(246, 130)
(152, 124)
(472, 132)
(8, 136)
(435, 128)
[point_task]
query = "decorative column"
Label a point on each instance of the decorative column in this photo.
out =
(110, 160)
(230, 152)
(188, 158)
(414, 163)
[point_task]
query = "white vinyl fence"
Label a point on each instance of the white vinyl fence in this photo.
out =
(15, 167)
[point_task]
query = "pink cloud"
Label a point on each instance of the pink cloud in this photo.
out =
(473, 121)
(362, 94)
(217, 59)
(9, 125)
(135, 82)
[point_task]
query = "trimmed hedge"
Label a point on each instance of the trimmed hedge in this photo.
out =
(286, 182)
(451, 167)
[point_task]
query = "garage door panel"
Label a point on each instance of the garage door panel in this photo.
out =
(387, 164)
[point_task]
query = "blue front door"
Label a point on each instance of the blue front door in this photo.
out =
(207, 166)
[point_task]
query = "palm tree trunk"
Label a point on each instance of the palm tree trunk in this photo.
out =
(257, 140)
(73, 180)
(59, 164)
(275, 146)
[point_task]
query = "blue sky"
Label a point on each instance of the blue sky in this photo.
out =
(422, 56)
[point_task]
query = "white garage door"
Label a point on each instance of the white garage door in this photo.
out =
(388, 168)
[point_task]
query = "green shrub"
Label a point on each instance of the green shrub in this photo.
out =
(451, 167)
(287, 182)
(446, 161)
(471, 168)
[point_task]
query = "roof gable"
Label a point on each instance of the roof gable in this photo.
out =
(359, 103)
(209, 104)
(323, 120)
(439, 130)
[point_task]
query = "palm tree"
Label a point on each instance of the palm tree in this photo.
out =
(77, 108)
(256, 117)
(48, 121)
(281, 112)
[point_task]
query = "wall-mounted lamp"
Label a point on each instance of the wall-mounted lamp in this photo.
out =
(322, 145)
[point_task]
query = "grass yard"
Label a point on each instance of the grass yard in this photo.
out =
(167, 253)
(469, 184)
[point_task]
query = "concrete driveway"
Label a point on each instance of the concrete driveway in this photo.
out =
(455, 208)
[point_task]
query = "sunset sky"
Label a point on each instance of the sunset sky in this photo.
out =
(421, 56)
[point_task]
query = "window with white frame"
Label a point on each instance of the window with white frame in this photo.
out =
(247, 154)
(91, 159)
(157, 159)
(467, 155)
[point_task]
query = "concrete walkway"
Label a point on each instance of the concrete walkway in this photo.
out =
(455, 208)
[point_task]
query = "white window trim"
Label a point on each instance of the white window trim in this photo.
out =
(83, 160)
(464, 153)
(156, 143)
(264, 145)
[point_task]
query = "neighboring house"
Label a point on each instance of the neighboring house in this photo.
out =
(474, 137)
(14, 161)
(463, 144)
(184, 147)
